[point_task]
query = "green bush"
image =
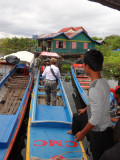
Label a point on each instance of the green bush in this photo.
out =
(67, 78)
(65, 68)
(111, 66)
(104, 49)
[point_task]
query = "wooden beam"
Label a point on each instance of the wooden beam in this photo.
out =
(110, 3)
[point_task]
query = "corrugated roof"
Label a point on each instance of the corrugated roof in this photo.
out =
(65, 29)
(68, 35)
(72, 34)
(73, 28)
(51, 35)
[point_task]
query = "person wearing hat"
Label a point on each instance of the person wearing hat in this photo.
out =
(50, 81)
(115, 103)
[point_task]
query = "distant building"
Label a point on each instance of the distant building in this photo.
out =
(67, 41)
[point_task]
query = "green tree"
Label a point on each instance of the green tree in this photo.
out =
(105, 49)
(111, 66)
(113, 41)
(96, 38)
(15, 44)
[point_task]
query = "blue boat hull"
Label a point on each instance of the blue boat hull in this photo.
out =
(10, 124)
(47, 130)
(80, 90)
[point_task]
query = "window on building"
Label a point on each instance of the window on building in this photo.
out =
(73, 45)
(85, 46)
(60, 44)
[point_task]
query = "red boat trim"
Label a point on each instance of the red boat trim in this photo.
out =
(84, 82)
(86, 79)
(85, 87)
(77, 65)
(18, 127)
(82, 76)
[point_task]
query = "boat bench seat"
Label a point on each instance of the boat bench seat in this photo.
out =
(56, 113)
(43, 93)
(6, 128)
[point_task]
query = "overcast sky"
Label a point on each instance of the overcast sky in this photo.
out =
(24, 18)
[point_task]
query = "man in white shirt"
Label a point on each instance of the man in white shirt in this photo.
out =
(50, 81)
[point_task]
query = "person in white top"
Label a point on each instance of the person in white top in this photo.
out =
(50, 81)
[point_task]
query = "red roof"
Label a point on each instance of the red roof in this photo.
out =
(74, 28)
(65, 29)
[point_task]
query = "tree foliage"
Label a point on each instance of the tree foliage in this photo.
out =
(113, 41)
(96, 38)
(104, 49)
(111, 66)
(15, 44)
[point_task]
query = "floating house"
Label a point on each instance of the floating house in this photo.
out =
(67, 41)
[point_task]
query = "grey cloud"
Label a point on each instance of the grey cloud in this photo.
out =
(28, 17)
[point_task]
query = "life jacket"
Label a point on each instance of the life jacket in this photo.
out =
(42, 69)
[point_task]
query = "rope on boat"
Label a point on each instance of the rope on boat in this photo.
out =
(82, 158)
(59, 156)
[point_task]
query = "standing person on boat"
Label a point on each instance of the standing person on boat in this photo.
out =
(50, 81)
(98, 101)
(47, 62)
(115, 103)
(80, 119)
(38, 63)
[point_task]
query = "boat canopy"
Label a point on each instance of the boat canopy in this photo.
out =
(24, 56)
(49, 54)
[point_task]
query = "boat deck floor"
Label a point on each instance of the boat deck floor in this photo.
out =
(61, 143)
(41, 100)
(55, 113)
(12, 92)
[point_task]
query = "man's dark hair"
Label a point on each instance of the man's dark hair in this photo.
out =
(117, 91)
(94, 59)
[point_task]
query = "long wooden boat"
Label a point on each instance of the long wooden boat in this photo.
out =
(81, 80)
(47, 127)
(15, 90)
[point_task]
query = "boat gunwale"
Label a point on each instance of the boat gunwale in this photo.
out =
(81, 91)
